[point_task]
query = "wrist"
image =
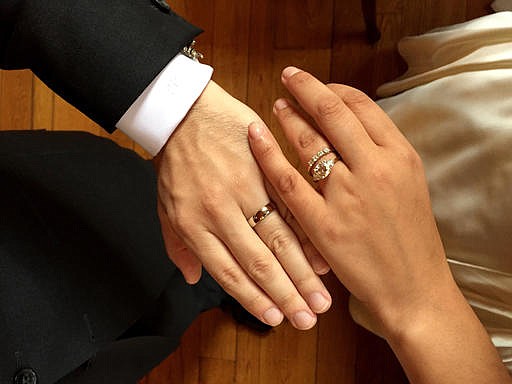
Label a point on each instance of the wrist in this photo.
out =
(445, 342)
(422, 317)
(216, 116)
(193, 113)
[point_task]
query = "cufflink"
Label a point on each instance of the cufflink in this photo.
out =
(191, 53)
(162, 5)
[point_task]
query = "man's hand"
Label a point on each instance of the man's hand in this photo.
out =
(208, 185)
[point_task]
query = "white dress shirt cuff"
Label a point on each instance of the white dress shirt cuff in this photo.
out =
(156, 113)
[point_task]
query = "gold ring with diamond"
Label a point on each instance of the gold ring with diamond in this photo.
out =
(261, 214)
(322, 169)
(317, 156)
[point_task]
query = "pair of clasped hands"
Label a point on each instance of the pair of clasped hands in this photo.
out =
(370, 220)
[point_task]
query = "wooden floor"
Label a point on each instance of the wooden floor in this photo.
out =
(249, 42)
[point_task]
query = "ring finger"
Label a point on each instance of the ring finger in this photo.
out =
(312, 147)
(266, 271)
(283, 243)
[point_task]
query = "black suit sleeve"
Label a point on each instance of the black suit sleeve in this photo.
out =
(99, 55)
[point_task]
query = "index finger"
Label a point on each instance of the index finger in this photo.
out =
(303, 200)
(334, 118)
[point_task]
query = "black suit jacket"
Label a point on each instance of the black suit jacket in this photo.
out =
(81, 257)
(98, 55)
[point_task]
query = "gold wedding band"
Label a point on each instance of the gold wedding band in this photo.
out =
(317, 156)
(261, 214)
(320, 166)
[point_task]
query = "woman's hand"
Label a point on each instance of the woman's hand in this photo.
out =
(371, 220)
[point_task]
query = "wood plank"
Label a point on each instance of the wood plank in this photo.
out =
(42, 105)
(202, 15)
(477, 8)
(248, 356)
(16, 100)
(217, 371)
(218, 336)
(337, 349)
(352, 56)
(189, 352)
(231, 42)
(118, 137)
(422, 16)
(386, 62)
(301, 24)
(68, 118)
(141, 152)
(376, 363)
(391, 6)
(182, 366)
(453, 11)
(288, 356)
(261, 59)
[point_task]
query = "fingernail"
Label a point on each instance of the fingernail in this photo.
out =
(318, 302)
(303, 320)
(273, 316)
(290, 71)
(255, 130)
(320, 266)
(280, 104)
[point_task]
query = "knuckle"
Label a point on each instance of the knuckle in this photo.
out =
(279, 241)
(355, 96)
(308, 280)
(380, 175)
(413, 159)
(287, 300)
(336, 88)
(257, 302)
(286, 113)
(181, 220)
(349, 94)
(230, 278)
(332, 233)
(181, 225)
(260, 269)
(329, 108)
(266, 149)
(307, 139)
(212, 200)
(287, 182)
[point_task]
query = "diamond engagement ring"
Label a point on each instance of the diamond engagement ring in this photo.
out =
(322, 168)
(318, 156)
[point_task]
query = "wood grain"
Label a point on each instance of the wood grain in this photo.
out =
(16, 100)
